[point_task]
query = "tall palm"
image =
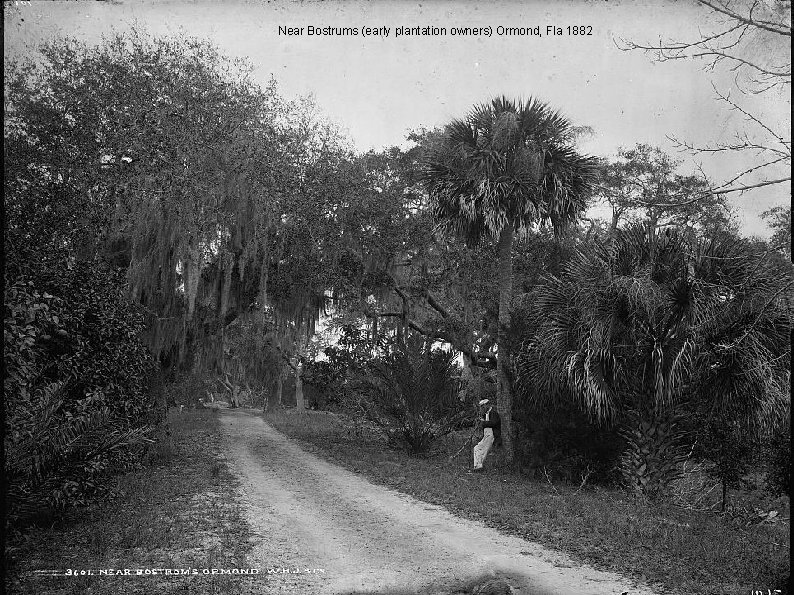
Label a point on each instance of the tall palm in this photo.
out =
(505, 167)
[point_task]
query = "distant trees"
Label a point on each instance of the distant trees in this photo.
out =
(779, 220)
(643, 183)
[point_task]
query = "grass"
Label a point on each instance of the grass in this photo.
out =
(674, 548)
(180, 511)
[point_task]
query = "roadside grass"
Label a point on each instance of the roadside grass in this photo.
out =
(179, 512)
(673, 548)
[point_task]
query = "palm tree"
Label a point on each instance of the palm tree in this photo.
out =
(507, 166)
(655, 327)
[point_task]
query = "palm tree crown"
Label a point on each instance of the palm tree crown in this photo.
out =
(658, 321)
(507, 163)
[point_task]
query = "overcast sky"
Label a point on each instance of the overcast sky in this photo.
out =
(379, 87)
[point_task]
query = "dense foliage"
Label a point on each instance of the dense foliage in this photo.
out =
(79, 402)
(169, 219)
(120, 164)
(778, 454)
(411, 393)
(654, 325)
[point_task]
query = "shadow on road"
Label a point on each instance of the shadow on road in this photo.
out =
(482, 585)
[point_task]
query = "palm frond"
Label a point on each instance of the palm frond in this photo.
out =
(641, 323)
(507, 164)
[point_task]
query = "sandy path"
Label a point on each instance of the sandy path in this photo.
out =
(307, 513)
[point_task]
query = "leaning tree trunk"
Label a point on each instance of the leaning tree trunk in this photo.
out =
(504, 397)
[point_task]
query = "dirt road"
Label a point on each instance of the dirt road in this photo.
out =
(355, 537)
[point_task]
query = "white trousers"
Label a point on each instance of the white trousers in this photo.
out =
(482, 448)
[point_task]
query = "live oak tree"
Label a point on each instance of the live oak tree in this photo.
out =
(215, 195)
(154, 136)
(404, 274)
(506, 167)
(423, 280)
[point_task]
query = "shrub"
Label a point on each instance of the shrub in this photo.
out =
(77, 384)
(411, 394)
(730, 454)
(322, 382)
(779, 461)
(188, 388)
(565, 443)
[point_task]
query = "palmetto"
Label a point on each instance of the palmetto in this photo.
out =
(653, 325)
(505, 167)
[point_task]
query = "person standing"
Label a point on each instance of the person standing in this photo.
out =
(492, 433)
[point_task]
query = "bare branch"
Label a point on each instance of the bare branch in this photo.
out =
(750, 116)
(436, 305)
(727, 44)
(680, 47)
(713, 191)
(750, 186)
(721, 148)
(778, 28)
(750, 170)
(720, 55)
(548, 479)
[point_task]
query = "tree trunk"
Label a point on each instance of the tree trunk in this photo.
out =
(235, 395)
(191, 271)
(654, 453)
(300, 405)
(504, 397)
(402, 328)
(280, 387)
(466, 379)
(613, 226)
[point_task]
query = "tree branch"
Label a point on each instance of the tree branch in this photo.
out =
(778, 28)
(749, 116)
(752, 169)
(716, 191)
(481, 359)
(434, 303)
(723, 55)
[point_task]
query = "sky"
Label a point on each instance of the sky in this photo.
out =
(378, 87)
